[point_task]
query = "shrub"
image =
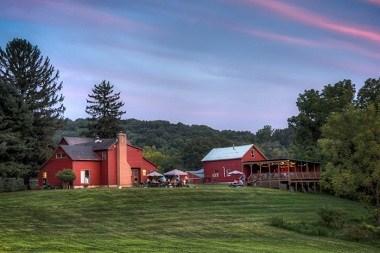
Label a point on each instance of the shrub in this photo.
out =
(12, 184)
(277, 222)
(330, 217)
(358, 233)
(66, 176)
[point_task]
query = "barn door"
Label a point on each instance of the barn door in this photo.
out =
(136, 176)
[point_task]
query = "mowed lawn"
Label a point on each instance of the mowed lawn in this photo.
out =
(204, 219)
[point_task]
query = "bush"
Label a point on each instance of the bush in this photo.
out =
(66, 176)
(359, 233)
(11, 184)
(330, 217)
(1, 185)
(277, 222)
(299, 227)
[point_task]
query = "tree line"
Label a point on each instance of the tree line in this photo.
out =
(335, 125)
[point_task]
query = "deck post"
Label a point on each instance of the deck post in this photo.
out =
(260, 172)
(270, 177)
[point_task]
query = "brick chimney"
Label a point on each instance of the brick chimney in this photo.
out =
(124, 172)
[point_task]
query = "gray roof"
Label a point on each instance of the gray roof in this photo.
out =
(199, 173)
(80, 152)
(81, 148)
(103, 144)
(234, 152)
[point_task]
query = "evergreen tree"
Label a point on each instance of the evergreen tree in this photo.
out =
(33, 87)
(104, 107)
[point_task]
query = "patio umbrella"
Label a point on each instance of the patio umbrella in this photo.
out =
(155, 174)
(235, 172)
(175, 172)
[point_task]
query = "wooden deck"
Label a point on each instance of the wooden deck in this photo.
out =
(287, 174)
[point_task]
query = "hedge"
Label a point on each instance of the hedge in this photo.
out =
(11, 184)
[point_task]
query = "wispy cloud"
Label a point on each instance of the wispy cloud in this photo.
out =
(375, 2)
(71, 12)
(310, 43)
(314, 19)
(277, 37)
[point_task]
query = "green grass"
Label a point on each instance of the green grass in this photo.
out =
(204, 219)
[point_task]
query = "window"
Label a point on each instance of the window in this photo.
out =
(85, 177)
(253, 153)
(44, 178)
(60, 155)
(215, 174)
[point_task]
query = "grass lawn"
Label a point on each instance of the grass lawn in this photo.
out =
(204, 219)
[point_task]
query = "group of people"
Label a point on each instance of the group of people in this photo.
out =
(166, 182)
(238, 182)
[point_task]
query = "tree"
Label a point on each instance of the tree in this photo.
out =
(369, 93)
(104, 107)
(33, 85)
(264, 135)
(67, 176)
(351, 148)
(14, 118)
(314, 109)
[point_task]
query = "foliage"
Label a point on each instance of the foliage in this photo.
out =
(30, 108)
(333, 223)
(331, 217)
(11, 184)
(369, 93)
(314, 109)
(351, 147)
(66, 176)
(104, 107)
(204, 219)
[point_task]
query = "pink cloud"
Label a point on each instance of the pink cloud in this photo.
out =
(313, 19)
(278, 37)
(292, 40)
(375, 2)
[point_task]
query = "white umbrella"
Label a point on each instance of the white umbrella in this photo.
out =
(155, 174)
(235, 172)
(175, 173)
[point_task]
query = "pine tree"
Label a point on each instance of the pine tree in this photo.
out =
(37, 89)
(104, 107)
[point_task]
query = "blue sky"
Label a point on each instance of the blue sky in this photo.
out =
(229, 64)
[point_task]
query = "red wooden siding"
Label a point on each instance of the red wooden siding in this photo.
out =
(217, 171)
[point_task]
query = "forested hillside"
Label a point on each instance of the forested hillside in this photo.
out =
(183, 146)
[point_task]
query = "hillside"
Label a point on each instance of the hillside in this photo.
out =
(183, 146)
(205, 219)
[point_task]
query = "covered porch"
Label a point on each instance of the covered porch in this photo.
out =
(290, 174)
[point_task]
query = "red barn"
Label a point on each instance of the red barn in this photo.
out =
(97, 162)
(220, 161)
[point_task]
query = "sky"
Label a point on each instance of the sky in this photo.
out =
(229, 64)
